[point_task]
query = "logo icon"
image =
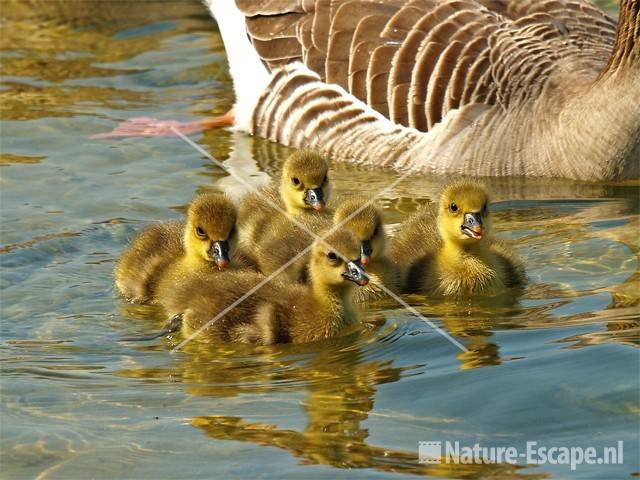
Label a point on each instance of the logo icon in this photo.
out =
(430, 452)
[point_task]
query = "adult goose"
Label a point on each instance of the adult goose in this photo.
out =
(545, 88)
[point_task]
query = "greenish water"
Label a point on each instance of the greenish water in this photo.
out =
(558, 366)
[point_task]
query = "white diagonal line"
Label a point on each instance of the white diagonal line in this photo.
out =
(321, 238)
(421, 317)
(253, 290)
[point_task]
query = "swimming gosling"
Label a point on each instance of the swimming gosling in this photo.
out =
(166, 252)
(302, 191)
(453, 252)
(278, 311)
(284, 242)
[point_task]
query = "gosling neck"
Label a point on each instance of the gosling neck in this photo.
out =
(289, 205)
(292, 209)
(334, 297)
(457, 250)
(194, 260)
(323, 291)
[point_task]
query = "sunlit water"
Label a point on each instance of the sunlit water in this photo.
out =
(558, 365)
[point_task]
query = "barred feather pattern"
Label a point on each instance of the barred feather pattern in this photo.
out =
(414, 61)
(419, 83)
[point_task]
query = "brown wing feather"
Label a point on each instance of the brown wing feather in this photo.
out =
(273, 26)
(431, 48)
(378, 77)
(321, 25)
(405, 86)
(459, 77)
(365, 39)
(252, 8)
(343, 28)
(416, 60)
(278, 49)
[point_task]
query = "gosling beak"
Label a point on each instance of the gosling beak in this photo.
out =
(314, 198)
(472, 226)
(219, 253)
(365, 252)
(356, 274)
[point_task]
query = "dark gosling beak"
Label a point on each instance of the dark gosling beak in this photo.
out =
(220, 254)
(315, 198)
(472, 226)
(356, 274)
(365, 252)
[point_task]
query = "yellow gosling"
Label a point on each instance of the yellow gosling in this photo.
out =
(302, 191)
(164, 253)
(366, 222)
(453, 252)
(280, 311)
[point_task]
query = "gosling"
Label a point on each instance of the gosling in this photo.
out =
(166, 252)
(277, 311)
(452, 253)
(365, 220)
(302, 193)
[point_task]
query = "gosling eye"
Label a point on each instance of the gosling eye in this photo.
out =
(324, 180)
(485, 208)
(295, 181)
(453, 207)
(200, 232)
(333, 257)
(376, 231)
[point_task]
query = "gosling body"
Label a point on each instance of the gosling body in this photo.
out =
(141, 266)
(286, 246)
(450, 251)
(299, 197)
(278, 311)
(165, 253)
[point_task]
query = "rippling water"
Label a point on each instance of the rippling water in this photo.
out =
(558, 366)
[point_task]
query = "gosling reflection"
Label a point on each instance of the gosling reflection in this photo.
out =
(474, 323)
(341, 394)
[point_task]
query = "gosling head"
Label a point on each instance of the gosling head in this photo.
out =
(463, 216)
(211, 218)
(335, 261)
(365, 221)
(305, 184)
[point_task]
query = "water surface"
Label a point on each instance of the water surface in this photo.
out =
(558, 365)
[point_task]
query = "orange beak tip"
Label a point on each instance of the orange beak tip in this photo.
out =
(365, 261)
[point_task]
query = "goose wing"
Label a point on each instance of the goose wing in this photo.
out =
(413, 61)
